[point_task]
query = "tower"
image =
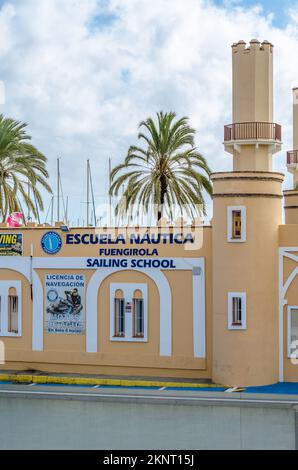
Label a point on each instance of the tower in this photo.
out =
(247, 214)
(291, 196)
(253, 138)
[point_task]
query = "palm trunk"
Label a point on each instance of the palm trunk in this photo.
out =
(163, 192)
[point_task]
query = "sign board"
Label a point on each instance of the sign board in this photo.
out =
(65, 304)
(11, 244)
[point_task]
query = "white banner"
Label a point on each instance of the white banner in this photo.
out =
(65, 304)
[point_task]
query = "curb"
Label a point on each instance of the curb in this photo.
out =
(44, 379)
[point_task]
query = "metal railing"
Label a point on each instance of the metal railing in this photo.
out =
(292, 157)
(252, 131)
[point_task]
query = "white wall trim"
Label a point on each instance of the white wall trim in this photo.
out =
(289, 330)
(165, 296)
(289, 281)
(37, 313)
(199, 309)
(199, 314)
(281, 326)
(291, 256)
(4, 292)
(284, 252)
(230, 209)
(22, 265)
(81, 263)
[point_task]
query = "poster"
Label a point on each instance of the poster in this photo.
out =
(65, 304)
(11, 244)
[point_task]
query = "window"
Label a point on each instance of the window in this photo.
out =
(293, 332)
(119, 314)
(10, 308)
(138, 315)
(236, 224)
(13, 312)
(236, 311)
(128, 312)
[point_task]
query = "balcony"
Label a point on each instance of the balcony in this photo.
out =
(292, 157)
(252, 133)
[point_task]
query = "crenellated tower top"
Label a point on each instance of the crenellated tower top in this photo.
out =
(252, 138)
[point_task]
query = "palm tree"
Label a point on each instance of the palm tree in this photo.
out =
(168, 171)
(22, 169)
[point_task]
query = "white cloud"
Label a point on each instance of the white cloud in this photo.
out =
(83, 73)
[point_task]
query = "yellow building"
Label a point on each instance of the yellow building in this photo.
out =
(213, 302)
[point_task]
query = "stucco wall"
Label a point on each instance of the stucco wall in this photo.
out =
(67, 353)
(248, 356)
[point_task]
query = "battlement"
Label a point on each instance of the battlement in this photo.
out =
(253, 137)
(254, 46)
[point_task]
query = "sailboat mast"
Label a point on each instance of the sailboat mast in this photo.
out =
(29, 210)
(66, 212)
(88, 192)
(110, 184)
(92, 196)
(58, 189)
(52, 211)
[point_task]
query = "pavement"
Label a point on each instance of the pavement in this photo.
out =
(164, 395)
(64, 382)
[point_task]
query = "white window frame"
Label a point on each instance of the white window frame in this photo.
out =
(232, 295)
(289, 336)
(230, 210)
(4, 293)
(128, 290)
(119, 335)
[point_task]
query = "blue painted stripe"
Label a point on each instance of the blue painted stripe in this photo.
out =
(281, 388)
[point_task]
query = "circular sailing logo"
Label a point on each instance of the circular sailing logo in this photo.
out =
(52, 295)
(51, 243)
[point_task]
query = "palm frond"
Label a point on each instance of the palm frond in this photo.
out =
(22, 167)
(167, 171)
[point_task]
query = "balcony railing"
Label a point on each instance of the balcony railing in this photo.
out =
(253, 131)
(292, 157)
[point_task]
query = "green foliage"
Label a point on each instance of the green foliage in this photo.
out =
(22, 169)
(167, 171)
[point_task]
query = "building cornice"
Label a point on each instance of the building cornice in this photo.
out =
(248, 176)
(231, 195)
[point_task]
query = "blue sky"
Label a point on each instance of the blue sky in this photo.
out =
(84, 73)
(279, 8)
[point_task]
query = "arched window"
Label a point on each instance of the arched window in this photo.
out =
(138, 314)
(119, 314)
(13, 311)
(10, 308)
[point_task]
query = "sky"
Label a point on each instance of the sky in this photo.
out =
(84, 73)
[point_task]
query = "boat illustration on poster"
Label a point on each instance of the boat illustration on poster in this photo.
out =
(65, 299)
